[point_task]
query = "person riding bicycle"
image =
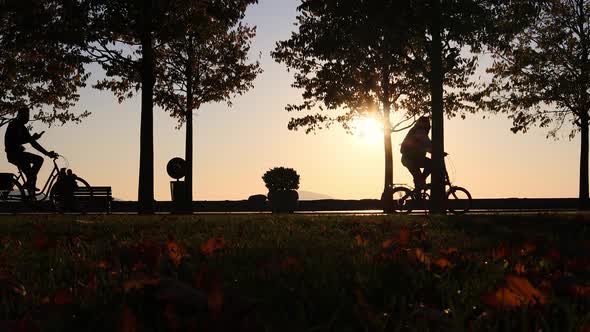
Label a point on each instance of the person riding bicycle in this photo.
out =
(16, 136)
(414, 148)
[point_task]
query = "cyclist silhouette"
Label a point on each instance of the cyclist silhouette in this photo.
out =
(414, 149)
(16, 136)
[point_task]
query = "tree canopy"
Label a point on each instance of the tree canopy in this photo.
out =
(541, 71)
(41, 60)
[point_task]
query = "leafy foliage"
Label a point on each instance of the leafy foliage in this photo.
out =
(351, 56)
(206, 57)
(41, 60)
(540, 70)
(281, 178)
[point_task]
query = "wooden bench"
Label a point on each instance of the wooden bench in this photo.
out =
(101, 198)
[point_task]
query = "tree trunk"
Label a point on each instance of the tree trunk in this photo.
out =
(437, 194)
(386, 197)
(189, 140)
(146, 152)
(583, 198)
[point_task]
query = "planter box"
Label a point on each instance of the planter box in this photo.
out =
(283, 201)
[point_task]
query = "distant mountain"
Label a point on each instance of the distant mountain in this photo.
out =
(309, 195)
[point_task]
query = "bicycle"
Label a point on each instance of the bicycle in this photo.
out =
(14, 194)
(406, 198)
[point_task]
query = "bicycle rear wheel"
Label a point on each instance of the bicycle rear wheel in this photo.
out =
(77, 201)
(13, 198)
(458, 200)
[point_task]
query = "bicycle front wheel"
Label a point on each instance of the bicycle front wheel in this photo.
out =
(458, 200)
(402, 200)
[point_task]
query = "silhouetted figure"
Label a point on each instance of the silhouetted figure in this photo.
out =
(414, 149)
(64, 188)
(16, 136)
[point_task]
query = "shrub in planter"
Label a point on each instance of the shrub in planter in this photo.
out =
(282, 184)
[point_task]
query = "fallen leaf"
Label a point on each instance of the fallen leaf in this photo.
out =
(449, 251)
(442, 263)
(212, 245)
(527, 248)
(500, 252)
(140, 282)
(387, 244)
(8, 283)
(102, 264)
(215, 298)
(63, 296)
(519, 268)
(290, 263)
(404, 236)
(517, 292)
(127, 320)
(422, 257)
(174, 252)
(361, 241)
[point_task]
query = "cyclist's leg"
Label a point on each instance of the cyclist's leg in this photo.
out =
(427, 165)
(29, 164)
(414, 169)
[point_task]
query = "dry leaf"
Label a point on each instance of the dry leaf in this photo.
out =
(175, 252)
(527, 248)
(290, 263)
(442, 263)
(404, 236)
(517, 292)
(63, 297)
(387, 243)
(212, 245)
(361, 241)
(449, 251)
(500, 252)
(127, 320)
(140, 282)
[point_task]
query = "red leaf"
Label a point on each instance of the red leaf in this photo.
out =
(404, 236)
(213, 245)
(63, 297)
(290, 263)
(517, 292)
(174, 252)
(361, 241)
(127, 320)
(500, 252)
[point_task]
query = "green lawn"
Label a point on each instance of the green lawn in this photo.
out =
(295, 273)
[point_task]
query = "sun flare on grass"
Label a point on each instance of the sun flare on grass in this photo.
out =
(368, 130)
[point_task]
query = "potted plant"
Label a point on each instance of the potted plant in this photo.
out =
(282, 184)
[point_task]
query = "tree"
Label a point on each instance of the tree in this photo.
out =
(122, 41)
(205, 61)
(127, 38)
(541, 71)
(446, 30)
(375, 57)
(41, 64)
(350, 61)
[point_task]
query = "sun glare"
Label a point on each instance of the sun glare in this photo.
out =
(368, 130)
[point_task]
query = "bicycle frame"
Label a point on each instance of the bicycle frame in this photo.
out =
(48, 184)
(447, 180)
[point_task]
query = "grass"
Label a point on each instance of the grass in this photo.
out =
(295, 273)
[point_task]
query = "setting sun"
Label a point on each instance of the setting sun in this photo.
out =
(368, 130)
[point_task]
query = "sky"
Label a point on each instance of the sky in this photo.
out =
(235, 146)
